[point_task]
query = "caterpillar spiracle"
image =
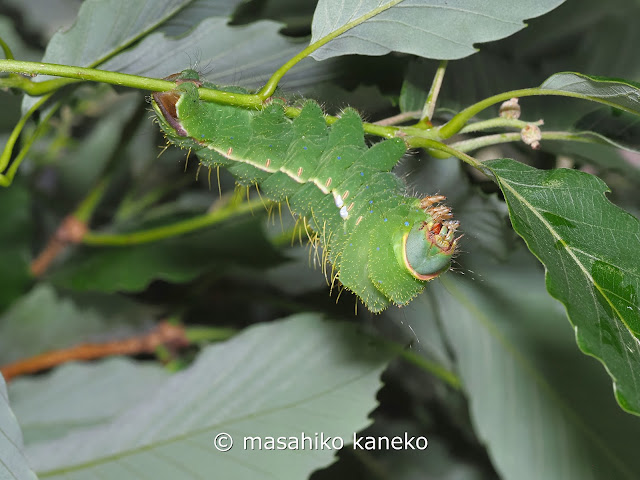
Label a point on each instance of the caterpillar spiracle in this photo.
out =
(384, 244)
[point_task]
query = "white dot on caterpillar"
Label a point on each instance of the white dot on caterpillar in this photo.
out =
(344, 213)
(339, 201)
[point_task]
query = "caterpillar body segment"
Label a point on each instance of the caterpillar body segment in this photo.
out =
(383, 244)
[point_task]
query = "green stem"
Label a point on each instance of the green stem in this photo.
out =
(270, 87)
(432, 97)
(7, 178)
(152, 84)
(485, 141)
(434, 146)
(432, 367)
(35, 89)
(384, 131)
(8, 54)
(208, 334)
(379, 130)
(488, 140)
(399, 118)
(497, 123)
(113, 78)
(454, 125)
(168, 231)
(85, 210)
(370, 128)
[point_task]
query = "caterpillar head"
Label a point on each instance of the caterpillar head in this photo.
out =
(164, 103)
(428, 247)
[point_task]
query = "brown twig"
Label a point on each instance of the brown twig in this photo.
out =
(169, 335)
(70, 231)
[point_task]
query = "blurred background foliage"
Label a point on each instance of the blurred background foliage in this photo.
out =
(247, 269)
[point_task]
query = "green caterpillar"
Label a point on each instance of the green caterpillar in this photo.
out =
(383, 244)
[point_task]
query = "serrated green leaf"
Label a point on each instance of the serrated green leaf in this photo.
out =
(618, 93)
(518, 365)
(590, 250)
(177, 259)
(13, 463)
(79, 395)
(303, 374)
(542, 409)
(427, 28)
